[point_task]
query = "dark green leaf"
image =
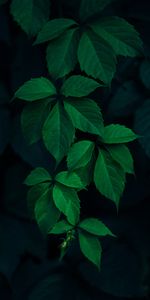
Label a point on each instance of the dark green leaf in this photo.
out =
(34, 193)
(96, 57)
(79, 86)
(36, 89)
(115, 134)
(67, 201)
(38, 175)
(61, 227)
(122, 36)
(58, 132)
(95, 227)
(145, 73)
(31, 15)
(61, 54)
(89, 8)
(85, 115)
(91, 248)
(70, 179)
(109, 177)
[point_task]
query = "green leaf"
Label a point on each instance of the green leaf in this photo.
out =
(58, 132)
(38, 175)
(86, 173)
(31, 15)
(145, 73)
(109, 177)
(96, 57)
(67, 201)
(53, 29)
(95, 227)
(69, 179)
(61, 54)
(32, 120)
(89, 8)
(36, 89)
(91, 248)
(80, 154)
(142, 125)
(120, 35)
(122, 155)
(34, 193)
(115, 134)
(61, 227)
(46, 213)
(85, 115)
(79, 86)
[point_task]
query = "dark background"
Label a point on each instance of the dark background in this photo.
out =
(29, 265)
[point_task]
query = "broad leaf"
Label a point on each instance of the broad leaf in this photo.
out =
(145, 73)
(53, 29)
(120, 35)
(34, 193)
(31, 15)
(61, 54)
(46, 213)
(109, 177)
(122, 155)
(91, 248)
(36, 89)
(85, 115)
(70, 179)
(115, 134)
(86, 172)
(95, 227)
(142, 125)
(96, 57)
(79, 86)
(67, 201)
(32, 120)
(80, 154)
(89, 8)
(61, 227)
(38, 175)
(58, 132)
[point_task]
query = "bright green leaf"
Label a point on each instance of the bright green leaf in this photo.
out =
(91, 248)
(80, 154)
(58, 132)
(61, 54)
(61, 227)
(95, 227)
(53, 29)
(115, 134)
(38, 175)
(79, 86)
(85, 115)
(96, 57)
(122, 155)
(36, 89)
(120, 35)
(67, 201)
(109, 177)
(31, 15)
(70, 179)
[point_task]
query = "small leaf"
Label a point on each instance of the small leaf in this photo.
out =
(67, 201)
(80, 154)
(58, 132)
(91, 248)
(86, 172)
(79, 86)
(32, 120)
(34, 193)
(115, 134)
(53, 29)
(95, 227)
(85, 115)
(36, 89)
(122, 155)
(70, 179)
(61, 227)
(145, 73)
(31, 15)
(67, 44)
(38, 175)
(46, 213)
(120, 35)
(89, 8)
(109, 177)
(96, 57)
